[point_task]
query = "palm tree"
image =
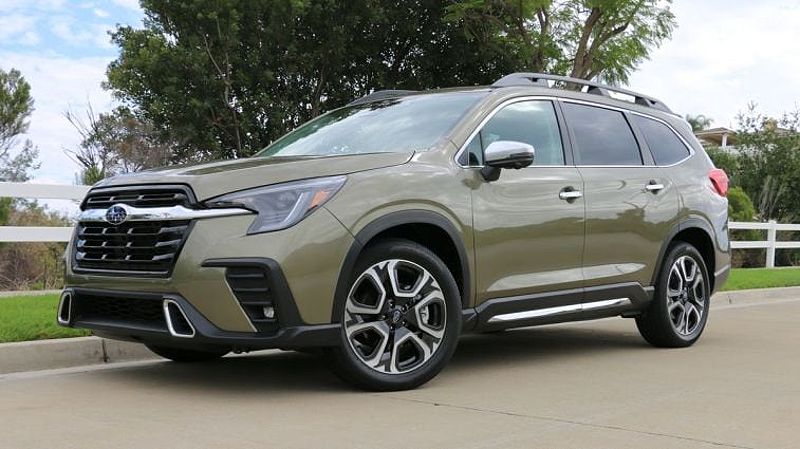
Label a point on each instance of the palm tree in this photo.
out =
(699, 122)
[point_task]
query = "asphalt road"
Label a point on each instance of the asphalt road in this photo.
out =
(586, 385)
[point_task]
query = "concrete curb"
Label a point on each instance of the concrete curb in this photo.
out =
(72, 352)
(738, 296)
(29, 293)
(67, 352)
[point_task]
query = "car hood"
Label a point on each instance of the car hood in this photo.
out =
(216, 178)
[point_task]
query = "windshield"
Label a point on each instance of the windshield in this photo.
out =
(413, 123)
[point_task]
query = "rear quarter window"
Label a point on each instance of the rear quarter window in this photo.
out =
(601, 136)
(667, 148)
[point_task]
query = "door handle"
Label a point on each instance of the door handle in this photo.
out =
(654, 187)
(569, 194)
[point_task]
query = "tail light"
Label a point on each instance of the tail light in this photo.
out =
(719, 179)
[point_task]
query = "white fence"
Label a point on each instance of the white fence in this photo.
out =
(771, 243)
(39, 191)
(65, 192)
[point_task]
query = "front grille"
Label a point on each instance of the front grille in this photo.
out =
(146, 248)
(251, 286)
(147, 313)
(143, 196)
(143, 247)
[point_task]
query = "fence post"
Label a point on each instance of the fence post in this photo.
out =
(771, 238)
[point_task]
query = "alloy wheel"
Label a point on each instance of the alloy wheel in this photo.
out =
(395, 316)
(686, 296)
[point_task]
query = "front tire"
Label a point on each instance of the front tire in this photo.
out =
(400, 320)
(186, 355)
(678, 313)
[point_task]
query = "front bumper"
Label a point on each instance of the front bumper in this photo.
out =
(308, 255)
(144, 318)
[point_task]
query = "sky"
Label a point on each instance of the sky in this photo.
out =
(724, 54)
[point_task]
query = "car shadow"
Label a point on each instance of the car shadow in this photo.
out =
(276, 372)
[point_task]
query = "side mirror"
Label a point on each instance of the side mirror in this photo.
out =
(505, 154)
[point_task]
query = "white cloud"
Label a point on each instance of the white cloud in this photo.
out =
(15, 27)
(128, 4)
(30, 38)
(41, 5)
(75, 33)
(725, 54)
(100, 12)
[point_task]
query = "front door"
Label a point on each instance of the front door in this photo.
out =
(528, 235)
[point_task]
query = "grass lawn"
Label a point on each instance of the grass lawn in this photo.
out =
(746, 278)
(25, 318)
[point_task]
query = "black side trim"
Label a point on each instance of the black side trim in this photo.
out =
(285, 306)
(639, 298)
(389, 221)
(469, 319)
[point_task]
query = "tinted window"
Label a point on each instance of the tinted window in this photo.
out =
(602, 136)
(666, 147)
(413, 123)
(531, 122)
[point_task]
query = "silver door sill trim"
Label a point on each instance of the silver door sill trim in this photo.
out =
(559, 310)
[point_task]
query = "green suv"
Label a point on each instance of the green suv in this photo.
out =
(381, 231)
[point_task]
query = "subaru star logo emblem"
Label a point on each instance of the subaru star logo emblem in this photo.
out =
(116, 214)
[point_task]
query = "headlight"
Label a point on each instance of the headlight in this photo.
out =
(282, 205)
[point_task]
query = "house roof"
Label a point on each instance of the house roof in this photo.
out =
(714, 135)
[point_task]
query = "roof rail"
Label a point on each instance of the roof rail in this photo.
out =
(541, 79)
(381, 95)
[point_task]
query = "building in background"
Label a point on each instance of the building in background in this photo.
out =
(722, 137)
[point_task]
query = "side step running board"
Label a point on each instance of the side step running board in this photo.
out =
(559, 310)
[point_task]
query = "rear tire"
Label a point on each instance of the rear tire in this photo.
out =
(182, 355)
(401, 318)
(677, 315)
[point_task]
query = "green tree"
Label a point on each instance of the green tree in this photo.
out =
(223, 78)
(725, 160)
(769, 163)
(741, 208)
(115, 142)
(16, 106)
(587, 39)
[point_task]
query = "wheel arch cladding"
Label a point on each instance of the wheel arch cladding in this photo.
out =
(427, 228)
(697, 234)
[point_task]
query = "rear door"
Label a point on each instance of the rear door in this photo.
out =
(528, 235)
(631, 204)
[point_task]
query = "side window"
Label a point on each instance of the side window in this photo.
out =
(531, 122)
(602, 136)
(667, 148)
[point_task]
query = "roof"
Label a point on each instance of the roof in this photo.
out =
(715, 136)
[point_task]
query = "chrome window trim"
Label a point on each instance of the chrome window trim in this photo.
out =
(648, 116)
(489, 116)
(161, 213)
(571, 100)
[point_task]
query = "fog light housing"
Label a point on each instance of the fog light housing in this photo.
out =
(269, 312)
